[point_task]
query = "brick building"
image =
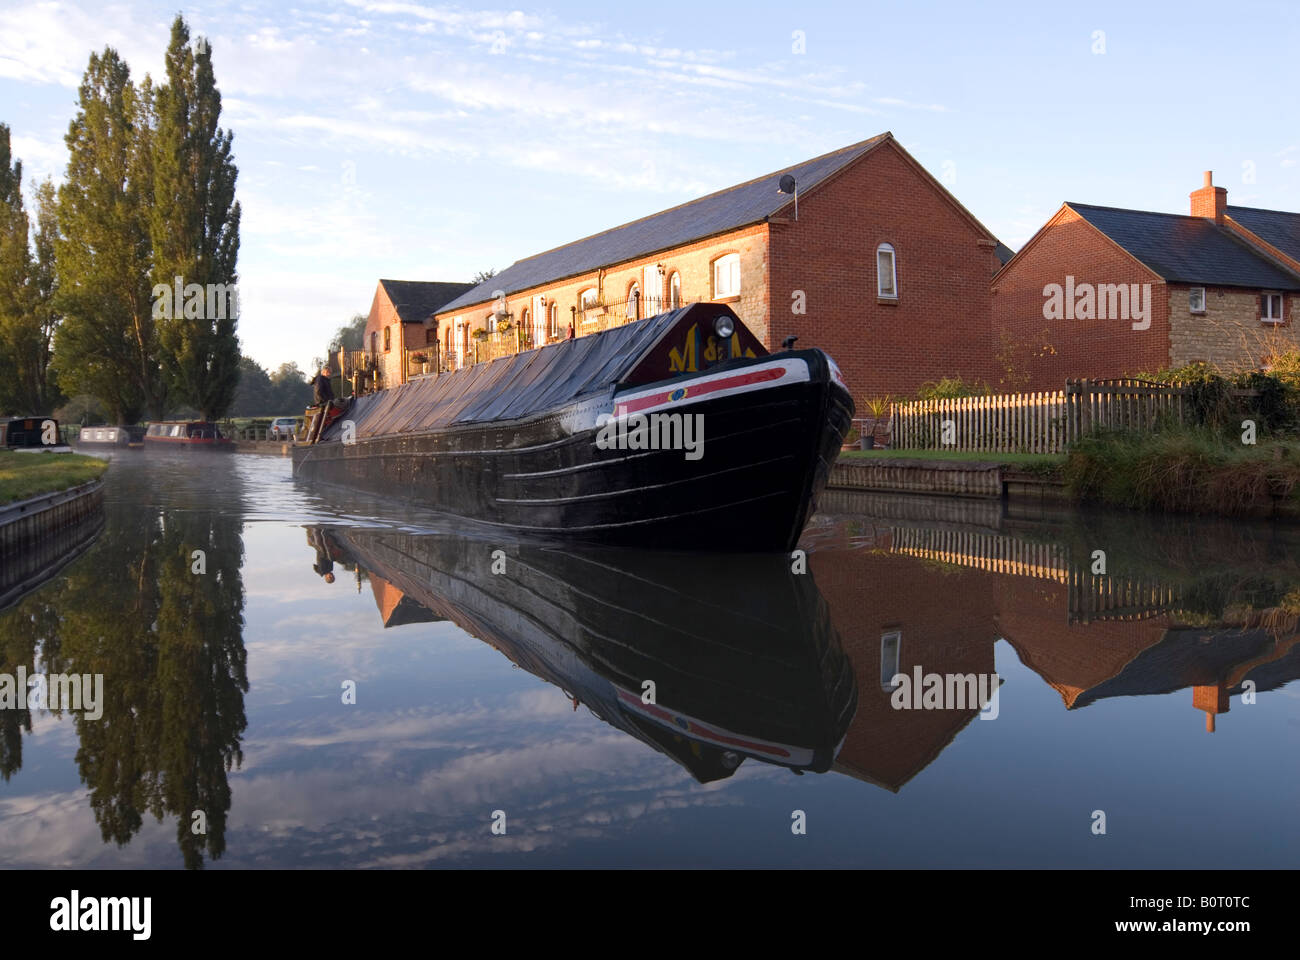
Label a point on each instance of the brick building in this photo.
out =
(881, 267)
(1107, 292)
(400, 322)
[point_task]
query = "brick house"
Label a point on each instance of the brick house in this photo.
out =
(399, 321)
(1108, 292)
(880, 266)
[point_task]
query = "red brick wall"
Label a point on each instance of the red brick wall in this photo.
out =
(939, 326)
(1033, 353)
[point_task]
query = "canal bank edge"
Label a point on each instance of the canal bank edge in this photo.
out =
(970, 479)
(42, 534)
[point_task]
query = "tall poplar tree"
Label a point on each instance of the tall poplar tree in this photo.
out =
(15, 269)
(107, 344)
(194, 227)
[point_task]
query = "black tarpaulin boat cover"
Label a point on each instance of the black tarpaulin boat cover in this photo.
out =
(519, 386)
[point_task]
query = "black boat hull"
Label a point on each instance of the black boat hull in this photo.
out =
(771, 428)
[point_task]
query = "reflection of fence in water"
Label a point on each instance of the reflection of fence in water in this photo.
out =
(1100, 597)
(1092, 597)
(984, 551)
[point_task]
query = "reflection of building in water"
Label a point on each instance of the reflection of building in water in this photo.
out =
(1090, 636)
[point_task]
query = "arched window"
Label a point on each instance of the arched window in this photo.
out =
(726, 276)
(633, 301)
(388, 338)
(553, 321)
(523, 321)
(675, 291)
(586, 302)
(886, 273)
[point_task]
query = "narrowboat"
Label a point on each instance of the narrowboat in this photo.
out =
(32, 435)
(131, 437)
(676, 431)
(186, 435)
(744, 660)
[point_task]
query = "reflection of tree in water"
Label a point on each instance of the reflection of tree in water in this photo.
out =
(169, 644)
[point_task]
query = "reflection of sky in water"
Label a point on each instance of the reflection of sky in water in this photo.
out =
(446, 730)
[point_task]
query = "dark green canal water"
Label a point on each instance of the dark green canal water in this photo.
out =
(296, 676)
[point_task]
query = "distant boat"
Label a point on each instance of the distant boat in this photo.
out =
(677, 431)
(186, 434)
(105, 436)
(31, 435)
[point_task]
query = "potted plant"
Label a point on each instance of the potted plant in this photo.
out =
(480, 334)
(877, 428)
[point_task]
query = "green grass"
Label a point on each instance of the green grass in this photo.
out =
(24, 475)
(1189, 470)
(967, 456)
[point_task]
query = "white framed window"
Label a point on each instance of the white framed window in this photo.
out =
(1196, 299)
(726, 276)
(1270, 307)
(553, 321)
(586, 301)
(886, 272)
(633, 302)
(891, 642)
(675, 291)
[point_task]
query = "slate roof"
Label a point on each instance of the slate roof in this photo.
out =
(1278, 228)
(729, 209)
(1186, 249)
(416, 300)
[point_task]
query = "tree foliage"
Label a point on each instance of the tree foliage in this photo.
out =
(107, 344)
(194, 229)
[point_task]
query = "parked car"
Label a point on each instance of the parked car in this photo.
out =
(283, 428)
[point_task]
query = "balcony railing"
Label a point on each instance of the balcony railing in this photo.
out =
(594, 317)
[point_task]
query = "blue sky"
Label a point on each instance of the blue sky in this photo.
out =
(423, 141)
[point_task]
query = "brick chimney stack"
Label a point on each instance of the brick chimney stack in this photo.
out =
(1209, 201)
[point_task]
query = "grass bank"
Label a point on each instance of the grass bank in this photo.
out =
(1190, 470)
(24, 475)
(1043, 461)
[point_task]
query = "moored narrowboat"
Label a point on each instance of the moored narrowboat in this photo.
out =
(677, 431)
(131, 437)
(186, 435)
(32, 435)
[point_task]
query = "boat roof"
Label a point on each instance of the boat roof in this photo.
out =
(523, 384)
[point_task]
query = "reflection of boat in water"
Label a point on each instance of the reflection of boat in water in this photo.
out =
(714, 444)
(738, 651)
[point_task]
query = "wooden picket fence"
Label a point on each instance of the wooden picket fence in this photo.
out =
(1043, 422)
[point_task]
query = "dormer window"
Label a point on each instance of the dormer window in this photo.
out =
(1196, 299)
(886, 273)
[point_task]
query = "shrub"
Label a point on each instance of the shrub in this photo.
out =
(949, 388)
(1185, 469)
